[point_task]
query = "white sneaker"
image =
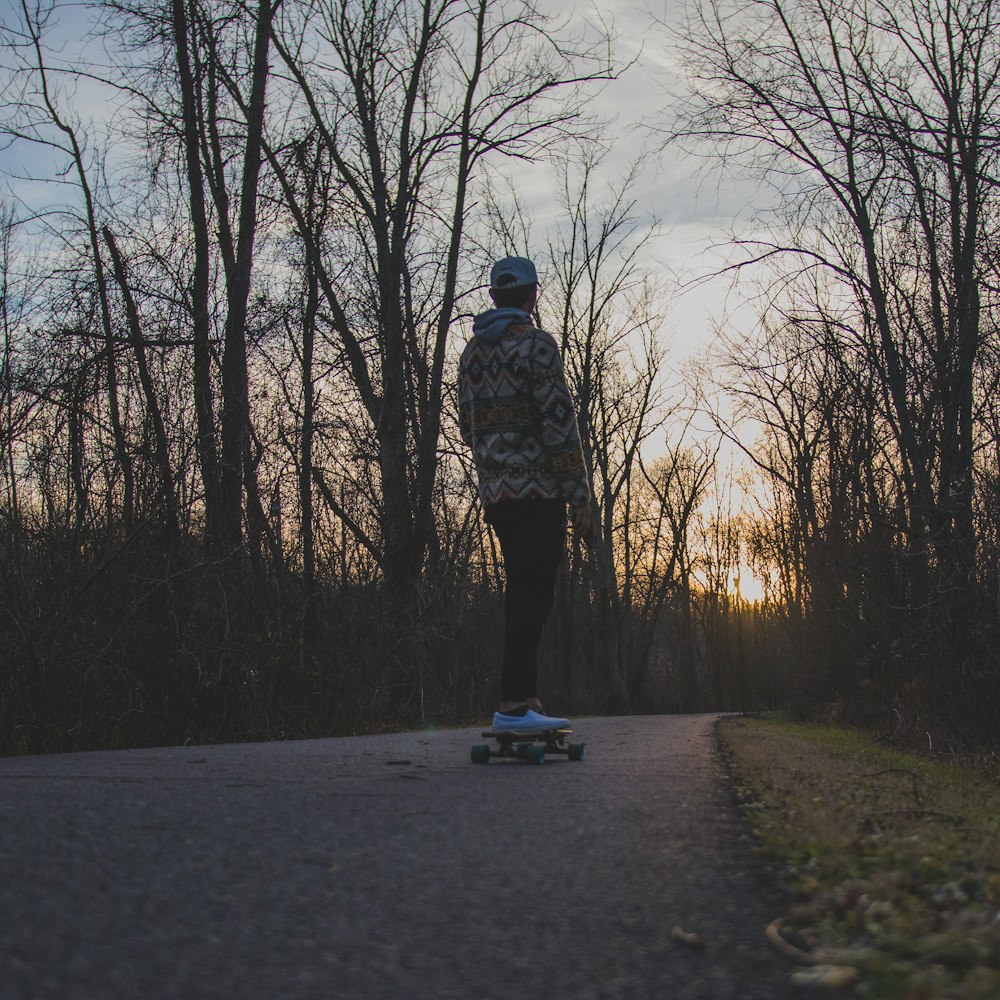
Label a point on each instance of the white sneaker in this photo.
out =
(530, 722)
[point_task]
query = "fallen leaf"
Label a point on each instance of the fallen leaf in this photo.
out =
(831, 977)
(686, 937)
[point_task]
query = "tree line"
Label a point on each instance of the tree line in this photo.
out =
(234, 501)
(874, 370)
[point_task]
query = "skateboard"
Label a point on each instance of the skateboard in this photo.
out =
(529, 746)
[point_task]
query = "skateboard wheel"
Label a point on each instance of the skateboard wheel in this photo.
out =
(522, 749)
(535, 755)
(575, 751)
(480, 754)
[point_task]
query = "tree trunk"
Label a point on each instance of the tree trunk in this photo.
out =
(161, 445)
(201, 333)
(235, 422)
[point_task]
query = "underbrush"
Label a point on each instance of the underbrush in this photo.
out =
(128, 645)
(152, 652)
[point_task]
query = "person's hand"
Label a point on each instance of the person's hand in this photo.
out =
(583, 523)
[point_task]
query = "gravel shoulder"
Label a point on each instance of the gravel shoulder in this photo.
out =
(386, 867)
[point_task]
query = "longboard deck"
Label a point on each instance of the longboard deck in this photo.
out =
(525, 745)
(522, 733)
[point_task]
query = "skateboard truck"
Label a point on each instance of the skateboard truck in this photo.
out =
(529, 746)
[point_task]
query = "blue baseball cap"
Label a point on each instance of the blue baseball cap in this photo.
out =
(513, 272)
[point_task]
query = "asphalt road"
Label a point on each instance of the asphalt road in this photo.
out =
(385, 867)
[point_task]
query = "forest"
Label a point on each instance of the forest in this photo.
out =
(241, 243)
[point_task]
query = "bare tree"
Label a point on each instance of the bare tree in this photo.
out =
(607, 312)
(668, 498)
(137, 342)
(407, 100)
(37, 117)
(24, 376)
(879, 119)
(877, 124)
(205, 78)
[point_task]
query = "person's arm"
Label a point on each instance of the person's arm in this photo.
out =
(560, 431)
(584, 525)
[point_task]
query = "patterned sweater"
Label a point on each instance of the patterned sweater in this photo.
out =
(516, 413)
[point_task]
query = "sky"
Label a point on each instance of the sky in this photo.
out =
(691, 207)
(695, 207)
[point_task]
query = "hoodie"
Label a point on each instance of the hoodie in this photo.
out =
(492, 324)
(516, 413)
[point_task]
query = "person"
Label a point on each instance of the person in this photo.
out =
(517, 415)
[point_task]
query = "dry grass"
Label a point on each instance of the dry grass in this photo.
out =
(892, 860)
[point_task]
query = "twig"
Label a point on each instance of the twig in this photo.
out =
(774, 936)
(915, 814)
(900, 770)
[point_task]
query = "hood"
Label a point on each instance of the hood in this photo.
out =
(491, 325)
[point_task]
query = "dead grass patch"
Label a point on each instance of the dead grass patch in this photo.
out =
(892, 860)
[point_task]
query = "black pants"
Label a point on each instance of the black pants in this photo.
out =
(532, 536)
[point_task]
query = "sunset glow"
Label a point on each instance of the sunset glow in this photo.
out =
(745, 583)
